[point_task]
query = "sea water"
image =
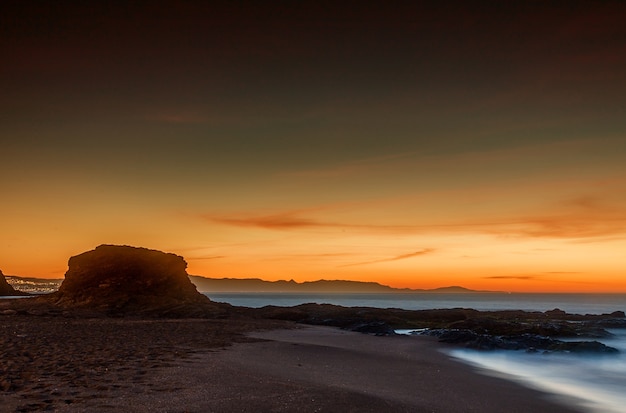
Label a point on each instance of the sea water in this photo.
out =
(571, 303)
(590, 383)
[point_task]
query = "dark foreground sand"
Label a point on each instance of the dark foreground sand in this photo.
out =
(105, 365)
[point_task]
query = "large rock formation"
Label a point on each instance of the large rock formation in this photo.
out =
(6, 289)
(128, 280)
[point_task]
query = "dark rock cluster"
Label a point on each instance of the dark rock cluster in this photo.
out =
(527, 342)
(484, 330)
(531, 333)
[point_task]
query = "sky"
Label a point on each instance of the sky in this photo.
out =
(415, 144)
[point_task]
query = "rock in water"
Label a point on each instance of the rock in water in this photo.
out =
(129, 280)
(7, 289)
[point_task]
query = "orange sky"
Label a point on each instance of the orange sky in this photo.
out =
(416, 146)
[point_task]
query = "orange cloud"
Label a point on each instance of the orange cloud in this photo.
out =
(213, 257)
(396, 258)
(282, 221)
(574, 225)
(564, 272)
(322, 255)
(582, 218)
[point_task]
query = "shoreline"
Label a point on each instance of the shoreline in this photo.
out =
(414, 371)
(199, 366)
(326, 369)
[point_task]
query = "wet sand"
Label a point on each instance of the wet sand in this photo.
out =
(115, 366)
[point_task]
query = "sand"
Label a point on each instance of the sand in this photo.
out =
(109, 365)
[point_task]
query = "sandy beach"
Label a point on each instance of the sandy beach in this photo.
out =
(117, 365)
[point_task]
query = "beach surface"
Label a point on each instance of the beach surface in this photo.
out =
(115, 366)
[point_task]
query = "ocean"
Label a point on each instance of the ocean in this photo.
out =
(571, 303)
(590, 383)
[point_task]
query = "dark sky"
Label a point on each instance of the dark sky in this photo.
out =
(276, 112)
(292, 61)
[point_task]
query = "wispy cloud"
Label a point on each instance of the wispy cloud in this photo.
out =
(563, 272)
(544, 277)
(323, 255)
(294, 220)
(286, 220)
(572, 226)
(511, 277)
(585, 217)
(211, 257)
(283, 221)
(581, 217)
(396, 258)
(311, 257)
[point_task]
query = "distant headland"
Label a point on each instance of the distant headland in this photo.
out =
(232, 285)
(36, 285)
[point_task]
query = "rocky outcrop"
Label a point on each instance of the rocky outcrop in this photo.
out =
(376, 328)
(6, 289)
(484, 330)
(123, 280)
(527, 342)
(532, 333)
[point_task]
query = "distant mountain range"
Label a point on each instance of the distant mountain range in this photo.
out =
(237, 285)
(224, 285)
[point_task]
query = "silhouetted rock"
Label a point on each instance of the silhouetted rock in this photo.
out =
(528, 342)
(549, 328)
(6, 289)
(377, 328)
(482, 330)
(557, 312)
(123, 280)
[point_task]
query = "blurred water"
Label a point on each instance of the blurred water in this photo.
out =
(572, 303)
(593, 383)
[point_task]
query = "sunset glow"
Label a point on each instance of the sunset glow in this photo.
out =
(417, 146)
